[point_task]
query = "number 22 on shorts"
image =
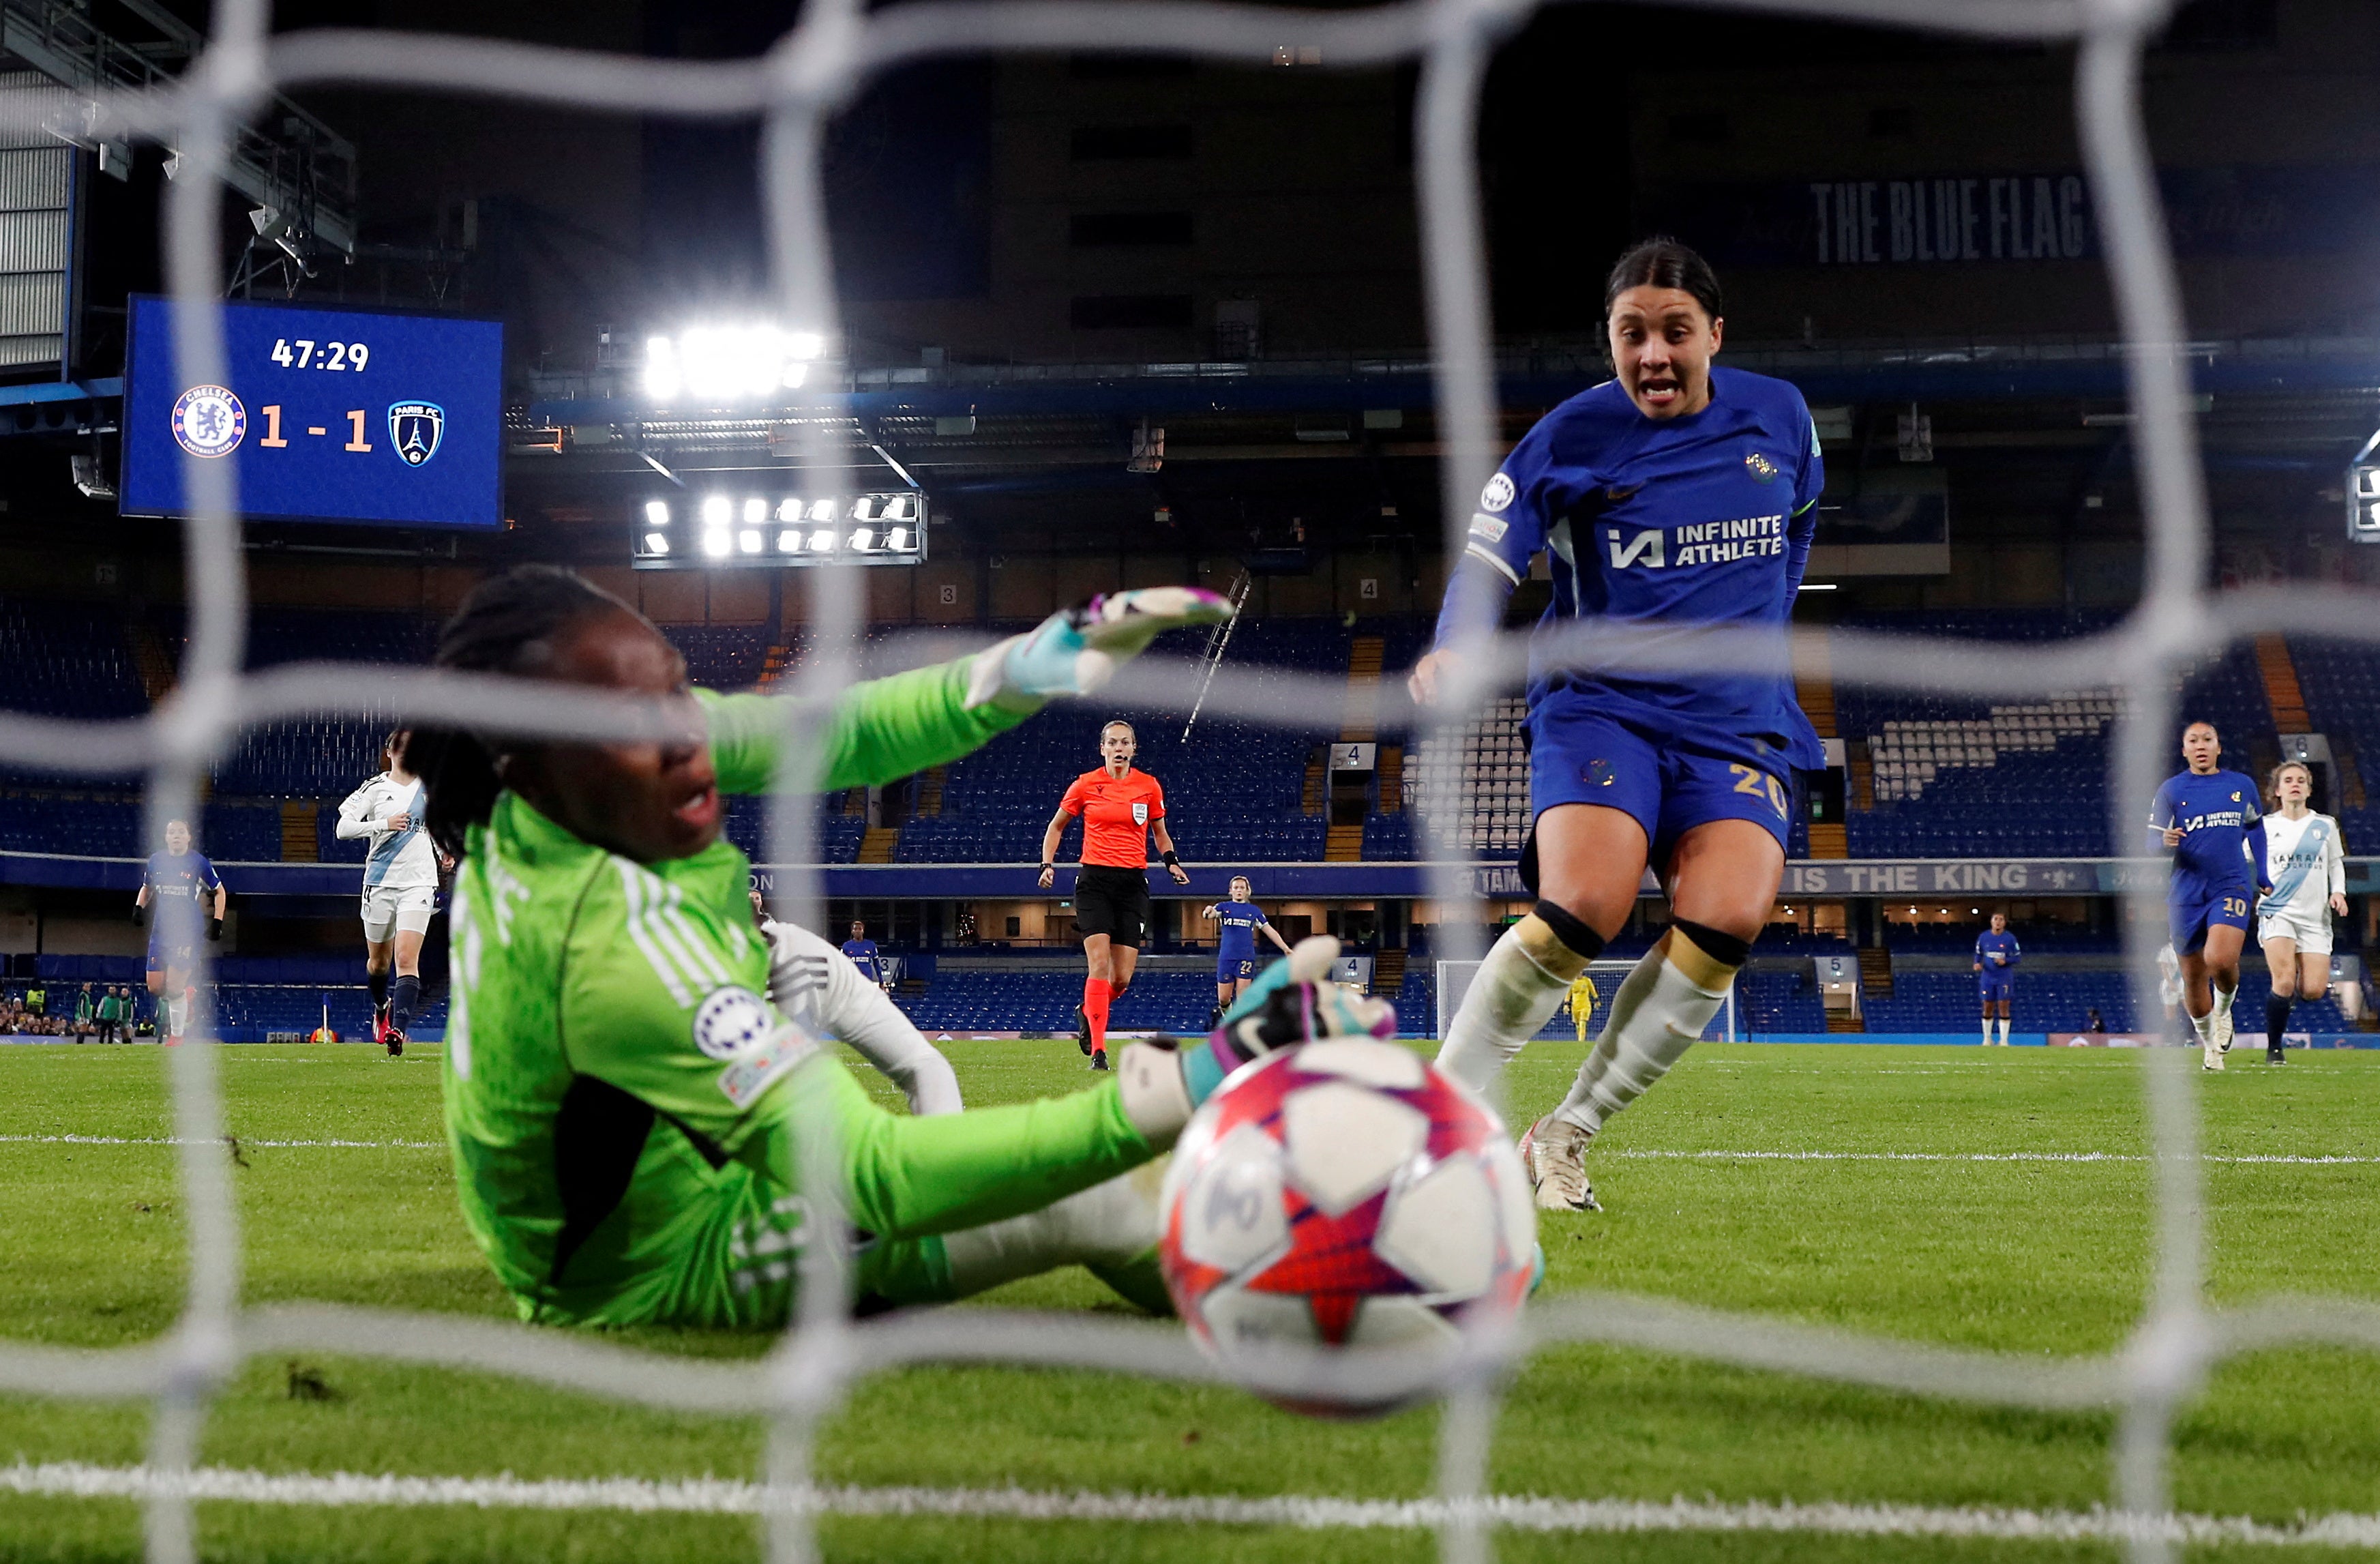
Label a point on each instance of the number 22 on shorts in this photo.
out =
(1759, 784)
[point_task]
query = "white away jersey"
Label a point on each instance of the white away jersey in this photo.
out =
(399, 860)
(2308, 863)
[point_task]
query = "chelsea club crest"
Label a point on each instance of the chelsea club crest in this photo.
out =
(209, 420)
(415, 429)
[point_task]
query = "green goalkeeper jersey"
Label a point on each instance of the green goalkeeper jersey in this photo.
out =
(621, 1096)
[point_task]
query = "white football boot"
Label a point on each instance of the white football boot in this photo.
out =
(2222, 1029)
(2210, 1054)
(1554, 1151)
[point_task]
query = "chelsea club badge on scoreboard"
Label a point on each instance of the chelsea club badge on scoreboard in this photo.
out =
(209, 420)
(415, 428)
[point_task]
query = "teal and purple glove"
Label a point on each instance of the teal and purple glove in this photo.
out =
(1077, 650)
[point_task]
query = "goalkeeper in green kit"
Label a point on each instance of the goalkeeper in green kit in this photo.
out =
(622, 1098)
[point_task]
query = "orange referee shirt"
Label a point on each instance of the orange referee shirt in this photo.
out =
(1115, 813)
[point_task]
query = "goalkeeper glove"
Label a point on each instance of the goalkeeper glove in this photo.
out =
(215, 928)
(1077, 650)
(1292, 1002)
(140, 915)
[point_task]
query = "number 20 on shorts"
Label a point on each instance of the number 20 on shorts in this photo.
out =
(1759, 784)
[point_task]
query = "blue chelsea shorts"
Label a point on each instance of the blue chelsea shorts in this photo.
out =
(1999, 984)
(2190, 920)
(1668, 782)
(1232, 968)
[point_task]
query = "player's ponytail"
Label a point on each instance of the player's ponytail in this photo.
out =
(508, 625)
(1662, 262)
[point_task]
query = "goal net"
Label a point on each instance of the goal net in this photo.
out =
(794, 94)
(1453, 981)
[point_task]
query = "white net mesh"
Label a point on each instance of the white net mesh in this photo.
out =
(794, 90)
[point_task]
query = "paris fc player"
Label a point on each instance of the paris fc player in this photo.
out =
(1676, 499)
(1237, 922)
(1996, 955)
(2309, 868)
(180, 897)
(2207, 818)
(400, 890)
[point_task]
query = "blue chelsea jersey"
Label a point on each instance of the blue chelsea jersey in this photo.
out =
(1666, 527)
(181, 891)
(1239, 921)
(864, 954)
(2004, 945)
(2217, 814)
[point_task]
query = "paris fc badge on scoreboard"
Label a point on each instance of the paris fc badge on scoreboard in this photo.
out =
(209, 420)
(415, 429)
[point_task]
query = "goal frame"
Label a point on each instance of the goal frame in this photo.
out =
(1606, 975)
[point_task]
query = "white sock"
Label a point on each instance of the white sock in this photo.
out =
(1988, 1032)
(1107, 1223)
(1509, 999)
(182, 1016)
(1657, 1015)
(2223, 997)
(2004, 1026)
(2205, 1026)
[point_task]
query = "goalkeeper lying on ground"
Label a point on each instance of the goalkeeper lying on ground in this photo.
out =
(621, 1096)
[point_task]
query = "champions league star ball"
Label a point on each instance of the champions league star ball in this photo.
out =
(1346, 1198)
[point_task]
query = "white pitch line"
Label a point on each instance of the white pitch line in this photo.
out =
(2324, 1160)
(245, 1142)
(713, 1495)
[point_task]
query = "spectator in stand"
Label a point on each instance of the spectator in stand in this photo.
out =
(2096, 1026)
(37, 1000)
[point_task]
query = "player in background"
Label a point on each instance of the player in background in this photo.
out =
(634, 1127)
(1120, 807)
(1996, 954)
(2307, 858)
(1237, 922)
(827, 994)
(1676, 499)
(400, 888)
(2169, 986)
(182, 899)
(2207, 818)
(1580, 1002)
(861, 952)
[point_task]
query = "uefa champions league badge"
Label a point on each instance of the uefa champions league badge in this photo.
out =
(209, 420)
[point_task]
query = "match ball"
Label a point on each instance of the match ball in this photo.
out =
(1345, 1199)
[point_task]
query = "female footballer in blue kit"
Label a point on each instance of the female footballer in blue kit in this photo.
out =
(1237, 922)
(2207, 818)
(1673, 498)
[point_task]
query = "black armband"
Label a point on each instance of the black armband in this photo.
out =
(140, 915)
(215, 928)
(1172, 860)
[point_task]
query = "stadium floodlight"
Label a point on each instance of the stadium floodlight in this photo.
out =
(823, 510)
(756, 510)
(716, 511)
(657, 513)
(790, 508)
(822, 541)
(2363, 494)
(863, 539)
(728, 363)
(656, 543)
(748, 540)
(789, 542)
(897, 540)
(717, 543)
(888, 526)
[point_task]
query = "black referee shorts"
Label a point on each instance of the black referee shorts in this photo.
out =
(1114, 902)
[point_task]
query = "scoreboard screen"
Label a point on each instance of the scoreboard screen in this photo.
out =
(329, 415)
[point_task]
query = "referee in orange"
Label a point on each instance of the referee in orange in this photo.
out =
(1120, 807)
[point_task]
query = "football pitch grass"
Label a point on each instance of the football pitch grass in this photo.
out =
(1918, 1225)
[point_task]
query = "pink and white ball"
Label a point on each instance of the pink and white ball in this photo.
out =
(1345, 1199)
